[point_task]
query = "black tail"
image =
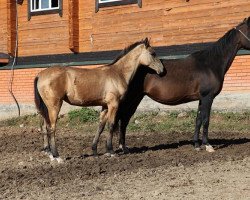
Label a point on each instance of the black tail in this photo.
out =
(40, 105)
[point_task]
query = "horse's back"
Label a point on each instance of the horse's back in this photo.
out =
(51, 73)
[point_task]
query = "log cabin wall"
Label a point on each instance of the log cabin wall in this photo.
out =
(166, 22)
(43, 34)
(3, 26)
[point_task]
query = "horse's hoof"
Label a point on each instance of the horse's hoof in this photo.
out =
(108, 154)
(209, 148)
(57, 159)
(125, 149)
(94, 151)
(52, 158)
(95, 155)
(197, 148)
(46, 151)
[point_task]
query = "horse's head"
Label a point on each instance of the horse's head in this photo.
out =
(244, 30)
(148, 57)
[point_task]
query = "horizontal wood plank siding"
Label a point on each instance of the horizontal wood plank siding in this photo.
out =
(3, 26)
(43, 34)
(166, 22)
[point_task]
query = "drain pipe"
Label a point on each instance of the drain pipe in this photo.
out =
(13, 64)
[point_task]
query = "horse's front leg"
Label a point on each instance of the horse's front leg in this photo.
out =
(205, 113)
(197, 128)
(102, 123)
(125, 112)
(122, 135)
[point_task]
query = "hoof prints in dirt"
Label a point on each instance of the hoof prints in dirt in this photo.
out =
(22, 164)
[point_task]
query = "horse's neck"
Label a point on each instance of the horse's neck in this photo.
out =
(228, 55)
(127, 66)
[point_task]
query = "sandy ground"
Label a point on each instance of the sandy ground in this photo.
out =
(159, 166)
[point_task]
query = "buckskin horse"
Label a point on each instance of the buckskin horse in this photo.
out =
(103, 86)
(199, 76)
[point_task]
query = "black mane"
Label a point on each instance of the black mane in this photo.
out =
(128, 49)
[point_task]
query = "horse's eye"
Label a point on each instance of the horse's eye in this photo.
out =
(153, 54)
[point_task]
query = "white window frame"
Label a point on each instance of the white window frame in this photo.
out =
(44, 11)
(40, 6)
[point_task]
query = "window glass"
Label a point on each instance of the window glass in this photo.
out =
(36, 2)
(45, 4)
(54, 3)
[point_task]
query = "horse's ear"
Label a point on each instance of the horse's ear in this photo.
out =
(245, 20)
(146, 42)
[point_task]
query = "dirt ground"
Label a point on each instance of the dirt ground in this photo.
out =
(159, 166)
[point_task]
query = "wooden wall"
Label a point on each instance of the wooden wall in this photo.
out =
(166, 22)
(3, 26)
(44, 34)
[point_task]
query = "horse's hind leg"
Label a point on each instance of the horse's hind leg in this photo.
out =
(53, 115)
(44, 129)
(112, 112)
(102, 123)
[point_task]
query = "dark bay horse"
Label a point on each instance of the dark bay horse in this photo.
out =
(103, 86)
(199, 76)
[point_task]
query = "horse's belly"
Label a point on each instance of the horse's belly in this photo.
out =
(85, 103)
(173, 98)
(84, 100)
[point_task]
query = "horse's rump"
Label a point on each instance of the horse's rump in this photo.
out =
(40, 105)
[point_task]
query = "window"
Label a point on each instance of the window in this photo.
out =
(41, 7)
(106, 3)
